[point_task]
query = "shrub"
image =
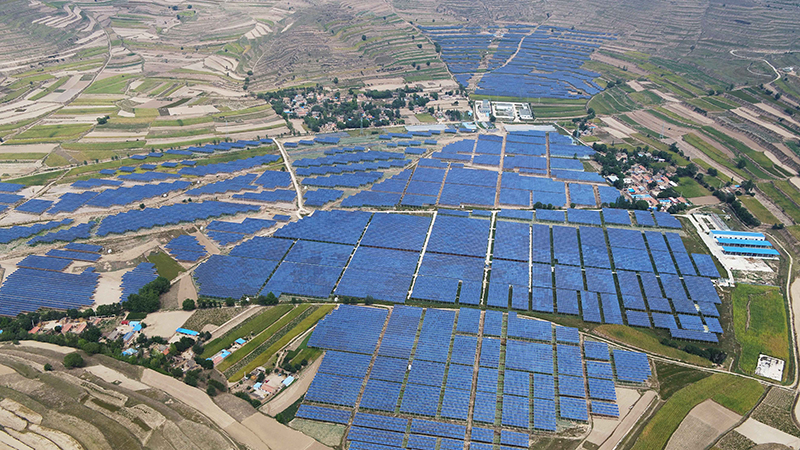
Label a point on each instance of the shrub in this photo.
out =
(189, 304)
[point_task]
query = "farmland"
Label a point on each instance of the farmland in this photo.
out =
(759, 317)
(738, 394)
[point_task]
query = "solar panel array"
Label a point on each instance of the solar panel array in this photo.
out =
(41, 283)
(418, 390)
(186, 248)
(593, 272)
(137, 278)
(544, 62)
(442, 180)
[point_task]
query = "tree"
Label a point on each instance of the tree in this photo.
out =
(73, 360)
(335, 80)
(437, 47)
(102, 120)
(363, 37)
(189, 304)
(48, 367)
(747, 185)
(741, 163)
(712, 171)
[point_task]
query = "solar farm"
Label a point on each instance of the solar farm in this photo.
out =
(504, 259)
(529, 62)
(421, 376)
(520, 170)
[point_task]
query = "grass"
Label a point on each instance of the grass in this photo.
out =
(84, 146)
(51, 133)
(299, 329)
(111, 85)
(261, 337)
(759, 319)
(426, 118)
(671, 118)
(56, 160)
(166, 266)
(37, 180)
(738, 147)
(672, 378)
(51, 89)
(21, 156)
(690, 188)
(253, 325)
(737, 394)
(716, 155)
(780, 199)
(648, 342)
(758, 210)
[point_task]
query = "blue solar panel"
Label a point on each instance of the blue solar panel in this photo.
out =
(323, 414)
(573, 409)
(381, 395)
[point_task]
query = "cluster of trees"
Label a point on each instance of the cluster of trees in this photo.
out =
(147, 299)
(741, 212)
(712, 354)
(243, 395)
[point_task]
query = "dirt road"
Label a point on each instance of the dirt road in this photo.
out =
(293, 392)
(630, 419)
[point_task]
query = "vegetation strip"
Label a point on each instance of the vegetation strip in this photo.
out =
(255, 324)
(299, 329)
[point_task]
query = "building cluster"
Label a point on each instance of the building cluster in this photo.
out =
(742, 243)
(642, 184)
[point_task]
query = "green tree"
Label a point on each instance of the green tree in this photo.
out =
(363, 37)
(189, 304)
(73, 360)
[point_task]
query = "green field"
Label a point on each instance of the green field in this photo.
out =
(51, 89)
(648, 342)
(111, 85)
(672, 378)
(735, 393)
(51, 133)
(758, 210)
(261, 337)
(759, 319)
(39, 179)
(299, 329)
(780, 199)
(253, 325)
(612, 101)
(102, 145)
(426, 118)
(689, 188)
(166, 266)
(716, 155)
(738, 147)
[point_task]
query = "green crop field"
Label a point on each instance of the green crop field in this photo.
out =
(689, 188)
(780, 199)
(111, 85)
(252, 326)
(759, 319)
(51, 89)
(166, 266)
(260, 338)
(738, 147)
(737, 394)
(758, 210)
(122, 145)
(716, 155)
(298, 329)
(39, 179)
(51, 133)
